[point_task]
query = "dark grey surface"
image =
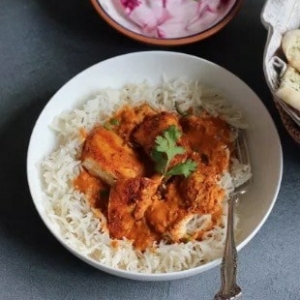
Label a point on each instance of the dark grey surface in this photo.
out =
(42, 45)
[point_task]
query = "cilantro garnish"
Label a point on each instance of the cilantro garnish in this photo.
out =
(114, 122)
(166, 149)
(109, 125)
(184, 169)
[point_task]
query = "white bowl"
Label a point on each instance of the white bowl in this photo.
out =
(264, 144)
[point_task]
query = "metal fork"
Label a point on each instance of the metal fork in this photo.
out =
(229, 289)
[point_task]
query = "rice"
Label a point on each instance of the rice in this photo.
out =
(73, 218)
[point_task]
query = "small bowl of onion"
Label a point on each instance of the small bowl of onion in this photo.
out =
(167, 22)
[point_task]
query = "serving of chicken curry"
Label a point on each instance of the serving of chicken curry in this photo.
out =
(149, 174)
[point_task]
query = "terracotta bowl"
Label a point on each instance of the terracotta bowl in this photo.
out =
(168, 41)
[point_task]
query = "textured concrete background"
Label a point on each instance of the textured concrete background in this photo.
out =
(42, 45)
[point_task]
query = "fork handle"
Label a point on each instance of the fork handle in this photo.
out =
(229, 288)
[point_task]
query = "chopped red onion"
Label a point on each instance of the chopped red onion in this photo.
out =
(168, 19)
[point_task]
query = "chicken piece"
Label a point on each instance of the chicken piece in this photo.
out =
(128, 201)
(107, 156)
(201, 193)
(167, 215)
(210, 137)
(190, 226)
(187, 209)
(153, 126)
(185, 201)
(130, 117)
(96, 193)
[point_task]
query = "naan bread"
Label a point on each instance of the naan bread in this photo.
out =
(289, 90)
(291, 48)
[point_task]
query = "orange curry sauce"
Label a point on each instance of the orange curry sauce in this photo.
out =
(172, 204)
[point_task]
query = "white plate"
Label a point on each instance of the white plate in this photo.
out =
(264, 144)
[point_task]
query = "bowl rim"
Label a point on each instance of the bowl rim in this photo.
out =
(168, 42)
(134, 275)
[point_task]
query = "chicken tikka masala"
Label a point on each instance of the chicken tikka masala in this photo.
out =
(149, 173)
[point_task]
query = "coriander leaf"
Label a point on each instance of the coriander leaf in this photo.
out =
(166, 143)
(160, 160)
(115, 122)
(166, 148)
(109, 125)
(172, 134)
(174, 151)
(184, 169)
(162, 144)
